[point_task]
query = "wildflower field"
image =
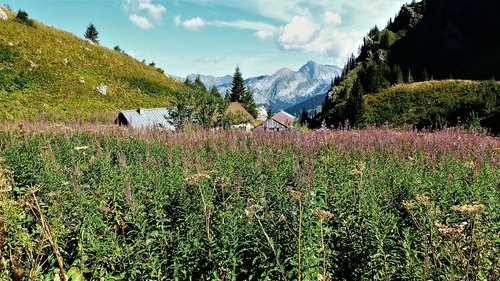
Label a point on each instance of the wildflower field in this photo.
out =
(105, 203)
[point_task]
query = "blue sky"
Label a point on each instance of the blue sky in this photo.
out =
(213, 36)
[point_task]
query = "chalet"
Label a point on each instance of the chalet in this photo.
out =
(280, 121)
(146, 118)
(235, 108)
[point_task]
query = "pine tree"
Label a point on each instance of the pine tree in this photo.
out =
(198, 85)
(355, 106)
(237, 87)
(304, 117)
(23, 17)
(214, 91)
(396, 75)
(270, 111)
(248, 102)
(425, 75)
(91, 33)
(409, 77)
(188, 82)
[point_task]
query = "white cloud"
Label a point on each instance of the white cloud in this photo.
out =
(212, 59)
(177, 21)
(140, 21)
(263, 30)
(297, 32)
(264, 34)
(332, 18)
(305, 35)
(334, 28)
(193, 24)
(144, 13)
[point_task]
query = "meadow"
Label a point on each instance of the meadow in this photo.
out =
(108, 203)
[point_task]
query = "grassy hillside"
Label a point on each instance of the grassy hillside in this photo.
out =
(43, 69)
(436, 103)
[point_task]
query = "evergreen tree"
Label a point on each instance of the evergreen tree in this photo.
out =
(409, 77)
(248, 102)
(355, 106)
(91, 33)
(23, 17)
(188, 83)
(425, 75)
(304, 117)
(396, 75)
(214, 91)
(237, 87)
(269, 111)
(198, 85)
(336, 81)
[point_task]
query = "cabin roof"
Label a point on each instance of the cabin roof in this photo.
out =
(237, 108)
(148, 117)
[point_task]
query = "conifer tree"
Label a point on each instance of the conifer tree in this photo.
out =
(355, 106)
(409, 77)
(241, 94)
(248, 102)
(304, 117)
(188, 82)
(425, 75)
(198, 85)
(396, 75)
(91, 33)
(237, 87)
(214, 91)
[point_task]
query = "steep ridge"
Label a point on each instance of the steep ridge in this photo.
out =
(428, 40)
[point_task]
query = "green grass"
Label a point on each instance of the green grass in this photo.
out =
(202, 205)
(431, 103)
(43, 69)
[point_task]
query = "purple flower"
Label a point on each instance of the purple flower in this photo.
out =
(289, 188)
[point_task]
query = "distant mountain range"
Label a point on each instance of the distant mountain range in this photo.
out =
(285, 87)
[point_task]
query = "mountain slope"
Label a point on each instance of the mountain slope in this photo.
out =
(284, 88)
(431, 39)
(47, 71)
(452, 39)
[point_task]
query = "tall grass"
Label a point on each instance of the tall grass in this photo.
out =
(227, 205)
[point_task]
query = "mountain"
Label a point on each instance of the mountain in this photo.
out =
(50, 72)
(209, 80)
(285, 87)
(311, 105)
(428, 40)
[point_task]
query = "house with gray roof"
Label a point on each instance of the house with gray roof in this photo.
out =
(146, 118)
(280, 121)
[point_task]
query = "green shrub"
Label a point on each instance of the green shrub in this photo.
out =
(22, 17)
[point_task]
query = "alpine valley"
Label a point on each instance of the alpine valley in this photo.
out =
(285, 87)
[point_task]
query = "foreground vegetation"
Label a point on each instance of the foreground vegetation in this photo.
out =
(108, 203)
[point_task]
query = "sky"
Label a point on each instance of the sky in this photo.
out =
(212, 37)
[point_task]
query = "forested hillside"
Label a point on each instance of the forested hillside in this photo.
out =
(428, 40)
